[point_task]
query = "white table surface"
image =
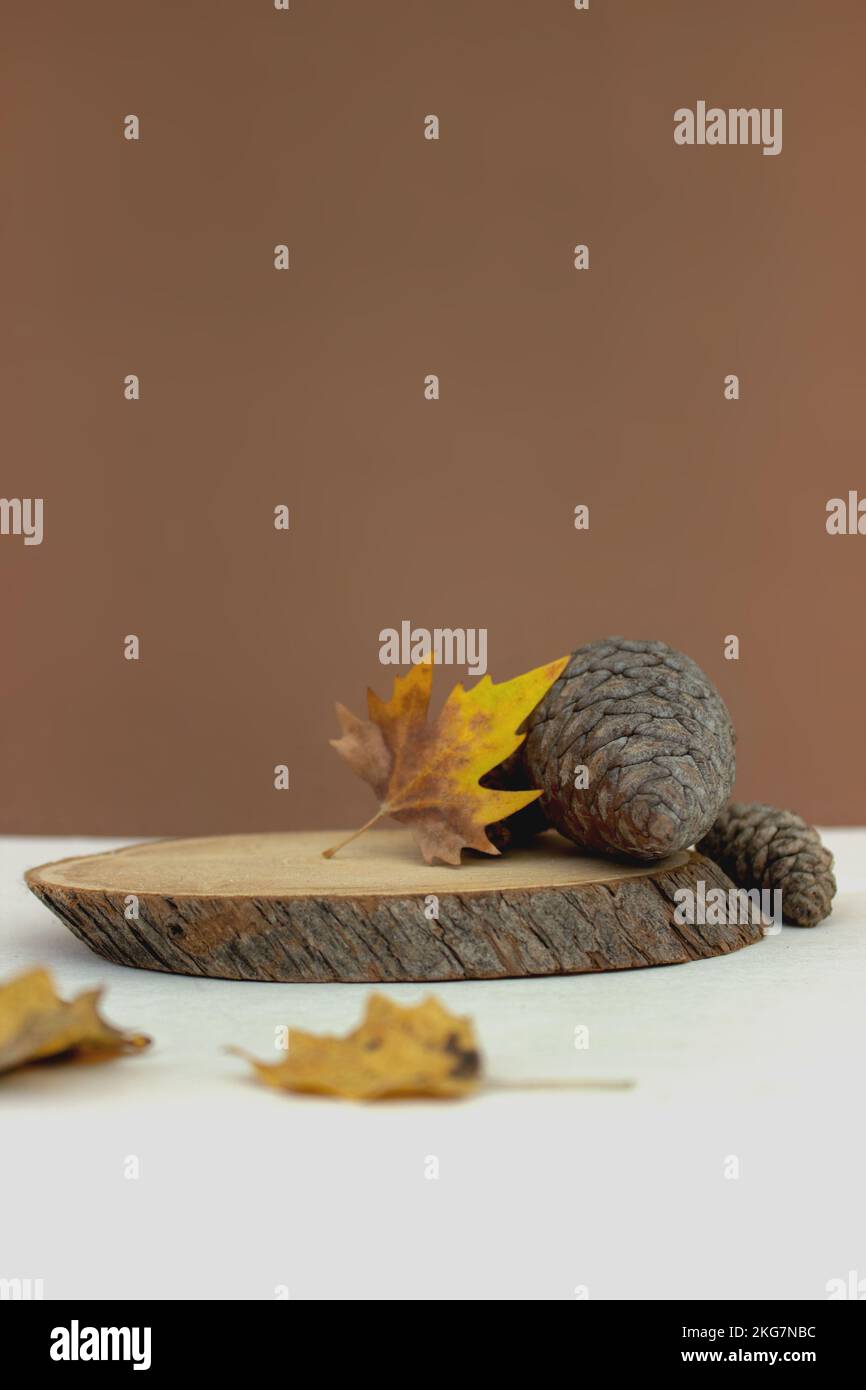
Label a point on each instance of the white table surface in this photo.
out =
(242, 1191)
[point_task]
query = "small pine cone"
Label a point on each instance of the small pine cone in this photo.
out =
(763, 847)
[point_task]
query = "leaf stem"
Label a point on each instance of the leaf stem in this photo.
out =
(329, 853)
(559, 1083)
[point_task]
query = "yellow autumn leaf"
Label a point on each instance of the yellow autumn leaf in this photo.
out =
(416, 1050)
(35, 1024)
(426, 774)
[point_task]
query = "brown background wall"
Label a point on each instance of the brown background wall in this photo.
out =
(410, 257)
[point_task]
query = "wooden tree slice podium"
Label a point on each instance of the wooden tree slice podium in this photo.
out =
(269, 907)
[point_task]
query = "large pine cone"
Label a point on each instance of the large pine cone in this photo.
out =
(764, 847)
(655, 737)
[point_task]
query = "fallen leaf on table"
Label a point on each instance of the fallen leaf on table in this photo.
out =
(418, 1050)
(35, 1025)
(414, 1051)
(426, 774)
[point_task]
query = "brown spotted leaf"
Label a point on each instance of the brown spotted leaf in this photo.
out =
(420, 1050)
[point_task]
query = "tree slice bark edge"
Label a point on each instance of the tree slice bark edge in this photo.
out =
(379, 939)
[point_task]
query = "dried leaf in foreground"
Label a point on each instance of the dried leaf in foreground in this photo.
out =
(426, 774)
(419, 1050)
(35, 1024)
